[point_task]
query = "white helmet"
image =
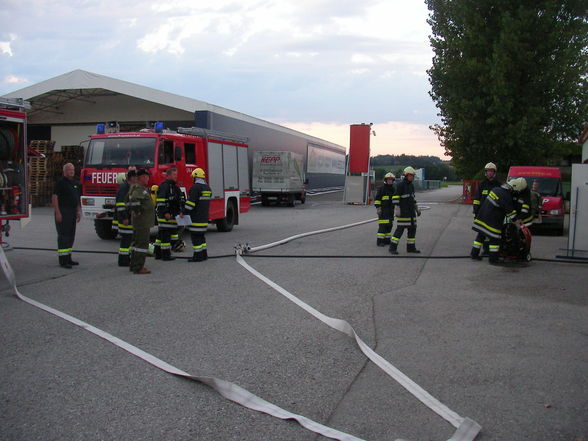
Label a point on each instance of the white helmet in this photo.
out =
(490, 166)
(389, 175)
(409, 171)
(518, 184)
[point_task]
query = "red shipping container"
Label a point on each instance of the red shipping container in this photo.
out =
(359, 148)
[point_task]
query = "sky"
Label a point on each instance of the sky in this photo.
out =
(316, 66)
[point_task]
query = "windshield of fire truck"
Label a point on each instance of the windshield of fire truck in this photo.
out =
(112, 152)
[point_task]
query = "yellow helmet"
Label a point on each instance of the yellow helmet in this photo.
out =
(490, 166)
(154, 188)
(120, 178)
(518, 184)
(409, 171)
(198, 173)
(389, 175)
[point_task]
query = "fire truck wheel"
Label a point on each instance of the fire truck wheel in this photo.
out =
(225, 225)
(528, 257)
(103, 229)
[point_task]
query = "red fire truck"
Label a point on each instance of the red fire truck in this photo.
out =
(13, 162)
(222, 156)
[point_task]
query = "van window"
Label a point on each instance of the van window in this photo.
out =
(547, 186)
(166, 152)
(190, 153)
(178, 153)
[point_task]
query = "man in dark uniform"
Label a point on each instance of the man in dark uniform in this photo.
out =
(383, 203)
(522, 202)
(141, 209)
(407, 210)
(66, 203)
(484, 188)
(169, 205)
(197, 208)
(490, 218)
(123, 218)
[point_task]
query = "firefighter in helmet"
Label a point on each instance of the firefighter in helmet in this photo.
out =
(490, 217)
(484, 188)
(122, 216)
(523, 205)
(383, 203)
(196, 207)
(170, 201)
(406, 211)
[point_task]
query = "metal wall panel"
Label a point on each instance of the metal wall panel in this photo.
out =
(230, 166)
(215, 169)
(243, 169)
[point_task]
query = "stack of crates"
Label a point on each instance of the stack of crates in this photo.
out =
(41, 173)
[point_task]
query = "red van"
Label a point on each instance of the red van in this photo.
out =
(550, 188)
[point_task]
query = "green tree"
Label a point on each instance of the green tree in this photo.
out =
(509, 79)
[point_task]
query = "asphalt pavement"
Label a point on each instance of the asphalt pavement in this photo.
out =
(505, 346)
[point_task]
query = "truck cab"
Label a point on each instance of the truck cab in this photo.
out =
(550, 189)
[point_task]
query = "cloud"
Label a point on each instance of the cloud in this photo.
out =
(5, 47)
(11, 79)
(392, 137)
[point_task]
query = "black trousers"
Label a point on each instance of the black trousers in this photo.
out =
(66, 234)
(164, 239)
(410, 238)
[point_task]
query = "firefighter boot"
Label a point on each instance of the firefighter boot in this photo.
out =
(485, 248)
(157, 252)
(73, 262)
(124, 260)
(204, 254)
(387, 241)
(166, 255)
(197, 257)
(380, 242)
(393, 248)
(64, 262)
(411, 248)
(493, 259)
(475, 254)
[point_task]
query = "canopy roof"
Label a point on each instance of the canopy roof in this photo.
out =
(82, 85)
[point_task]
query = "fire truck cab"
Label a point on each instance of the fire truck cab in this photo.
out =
(222, 156)
(13, 162)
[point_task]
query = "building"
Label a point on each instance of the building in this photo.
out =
(67, 108)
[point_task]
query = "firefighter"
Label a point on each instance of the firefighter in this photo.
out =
(484, 188)
(536, 202)
(406, 211)
(383, 203)
(486, 185)
(490, 218)
(141, 211)
(169, 205)
(197, 208)
(122, 216)
(522, 203)
(66, 203)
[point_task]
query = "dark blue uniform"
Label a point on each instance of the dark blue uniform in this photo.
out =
(197, 207)
(68, 192)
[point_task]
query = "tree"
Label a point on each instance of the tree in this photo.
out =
(509, 79)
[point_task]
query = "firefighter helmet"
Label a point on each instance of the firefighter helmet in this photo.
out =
(518, 184)
(389, 175)
(490, 166)
(198, 173)
(120, 178)
(409, 171)
(154, 188)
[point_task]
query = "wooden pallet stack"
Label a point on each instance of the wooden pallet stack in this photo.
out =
(75, 155)
(41, 173)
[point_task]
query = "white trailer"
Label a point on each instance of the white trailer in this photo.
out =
(279, 177)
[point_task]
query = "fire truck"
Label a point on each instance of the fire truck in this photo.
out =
(110, 152)
(13, 162)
